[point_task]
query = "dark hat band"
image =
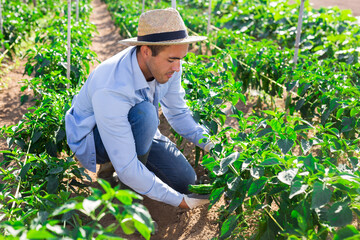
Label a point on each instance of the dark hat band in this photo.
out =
(164, 36)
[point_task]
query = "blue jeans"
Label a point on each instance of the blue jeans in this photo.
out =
(164, 159)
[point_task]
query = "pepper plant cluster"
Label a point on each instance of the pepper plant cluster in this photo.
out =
(296, 168)
(44, 192)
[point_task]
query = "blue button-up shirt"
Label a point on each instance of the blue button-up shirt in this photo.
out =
(111, 90)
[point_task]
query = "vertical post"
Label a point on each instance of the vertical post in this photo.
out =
(298, 34)
(68, 41)
(1, 20)
(143, 8)
(209, 16)
(34, 2)
(173, 4)
(77, 10)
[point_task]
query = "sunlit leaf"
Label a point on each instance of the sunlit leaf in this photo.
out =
(339, 214)
(287, 176)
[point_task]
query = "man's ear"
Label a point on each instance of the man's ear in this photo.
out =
(145, 51)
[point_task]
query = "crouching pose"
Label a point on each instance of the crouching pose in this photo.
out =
(114, 120)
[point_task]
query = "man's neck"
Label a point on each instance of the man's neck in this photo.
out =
(144, 69)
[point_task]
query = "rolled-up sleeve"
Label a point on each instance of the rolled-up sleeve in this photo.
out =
(111, 115)
(178, 114)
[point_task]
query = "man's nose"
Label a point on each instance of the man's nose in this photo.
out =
(176, 66)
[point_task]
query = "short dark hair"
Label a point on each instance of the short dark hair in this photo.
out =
(155, 49)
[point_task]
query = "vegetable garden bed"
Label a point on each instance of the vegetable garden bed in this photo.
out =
(315, 189)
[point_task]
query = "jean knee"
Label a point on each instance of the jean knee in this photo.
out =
(144, 113)
(182, 185)
(144, 122)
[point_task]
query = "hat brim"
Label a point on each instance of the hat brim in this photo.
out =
(189, 39)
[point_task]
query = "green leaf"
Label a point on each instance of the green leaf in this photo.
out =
(270, 162)
(257, 186)
(229, 160)
(228, 226)
(128, 226)
(302, 222)
(90, 205)
(66, 207)
(354, 112)
(285, 145)
(126, 196)
(309, 162)
(51, 149)
(339, 112)
(339, 215)
(321, 195)
(348, 124)
(242, 98)
(216, 195)
(24, 170)
(24, 99)
(264, 132)
(56, 170)
(299, 104)
(217, 101)
(347, 232)
(213, 127)
(306, 145)
(288, 176)
(302, 127)
(37, 134)
(143, 229)
(52, 184)
(257, 172)
(59, 135)
(196, 116)
(297, 188)
(39, 234)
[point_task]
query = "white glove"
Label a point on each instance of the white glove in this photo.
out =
(209, 146)
(195, 200)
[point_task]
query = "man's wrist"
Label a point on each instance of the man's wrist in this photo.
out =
(210, 145)
(183, 204)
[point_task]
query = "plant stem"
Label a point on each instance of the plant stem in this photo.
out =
(268, 213)
(26, 156)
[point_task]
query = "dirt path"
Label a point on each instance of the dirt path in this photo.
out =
(173, 223)
(11, 111)
(354, 5)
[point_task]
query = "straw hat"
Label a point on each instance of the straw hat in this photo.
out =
(161, 27)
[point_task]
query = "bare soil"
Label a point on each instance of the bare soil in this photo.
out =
(174, 223)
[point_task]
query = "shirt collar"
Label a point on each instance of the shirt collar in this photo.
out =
(139, 79)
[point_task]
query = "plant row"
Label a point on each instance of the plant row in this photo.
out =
(43, 193)
(294, 176)
(19, 19)
(264, 65)
(296, 171)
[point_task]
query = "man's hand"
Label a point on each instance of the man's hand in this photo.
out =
(194, 200)
(209, 146)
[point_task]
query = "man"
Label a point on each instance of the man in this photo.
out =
(113, 120)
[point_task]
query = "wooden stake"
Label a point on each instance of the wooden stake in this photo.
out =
(77, 10)
(298, 33)
(68, 41)
(173, 4)
(1, 20)
(143, 8)
(209, 16)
